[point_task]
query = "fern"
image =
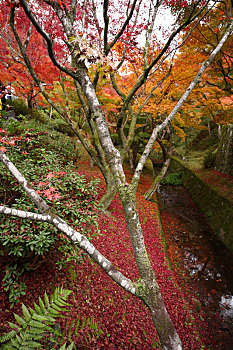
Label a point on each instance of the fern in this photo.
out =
(88, 327)
(35, 323)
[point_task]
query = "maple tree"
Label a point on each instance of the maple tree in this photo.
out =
(212, 99)
(12, 65)
(79, 43)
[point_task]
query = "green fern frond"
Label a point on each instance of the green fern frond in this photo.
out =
(70, 347)
(77, 326)
(42, 318)
(26, 313)
(46, 300)
(14, 326)
(35, 323)
(30, 328)
(21, 321)
(16, 342)
(8, 347)
(70, 328)
(8, 336)
(37, 309)
(42, 306)
(29, 344)
(87, 326)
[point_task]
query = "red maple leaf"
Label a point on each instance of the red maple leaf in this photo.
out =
(56, 196)
(3, 149)
(50, 175)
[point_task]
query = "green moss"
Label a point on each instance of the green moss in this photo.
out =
(217, 208)
(173, 179)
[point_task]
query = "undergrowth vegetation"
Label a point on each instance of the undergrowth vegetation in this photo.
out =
(37, 329)
(45, 158)
(173, 179)
(48, 120)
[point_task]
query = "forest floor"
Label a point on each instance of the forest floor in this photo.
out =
(124, 320)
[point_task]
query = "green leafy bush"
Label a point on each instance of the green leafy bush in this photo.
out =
(42, 137)
(115, 139)
(12, 284)
(173, 179)
(44, 160)
(39, 115)
(60, 125)
(19, 106)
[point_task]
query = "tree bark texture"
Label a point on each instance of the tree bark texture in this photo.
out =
(224, 156)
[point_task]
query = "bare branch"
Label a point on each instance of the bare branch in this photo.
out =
(106, 22)
(119, 34)
(24, 214)
(28, 36)
(149, 33)
(146, 72)
(152, 90)
(73, 7)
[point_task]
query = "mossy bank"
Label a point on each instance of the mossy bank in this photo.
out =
(217, 208)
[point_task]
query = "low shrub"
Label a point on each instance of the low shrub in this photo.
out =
(44, 138)
(39, 115)
(19, 106)
(61, 126)
(115, 139)
(173, 179)
(44, 159)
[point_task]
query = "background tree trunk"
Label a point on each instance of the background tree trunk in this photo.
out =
(224, 156)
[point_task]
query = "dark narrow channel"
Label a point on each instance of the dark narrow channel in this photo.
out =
(205, 261)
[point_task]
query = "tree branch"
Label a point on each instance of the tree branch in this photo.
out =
(47, 38)
(119, 34)
(160, 127)
(149, 34)
(106, 22)
(28, 36)
(146, 72)
(50, 217)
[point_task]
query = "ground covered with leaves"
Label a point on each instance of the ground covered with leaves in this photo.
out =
(123, 319)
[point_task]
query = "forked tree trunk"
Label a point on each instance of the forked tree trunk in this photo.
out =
(149, 194)
(109, 194)
(148, 291)
(147, 288)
